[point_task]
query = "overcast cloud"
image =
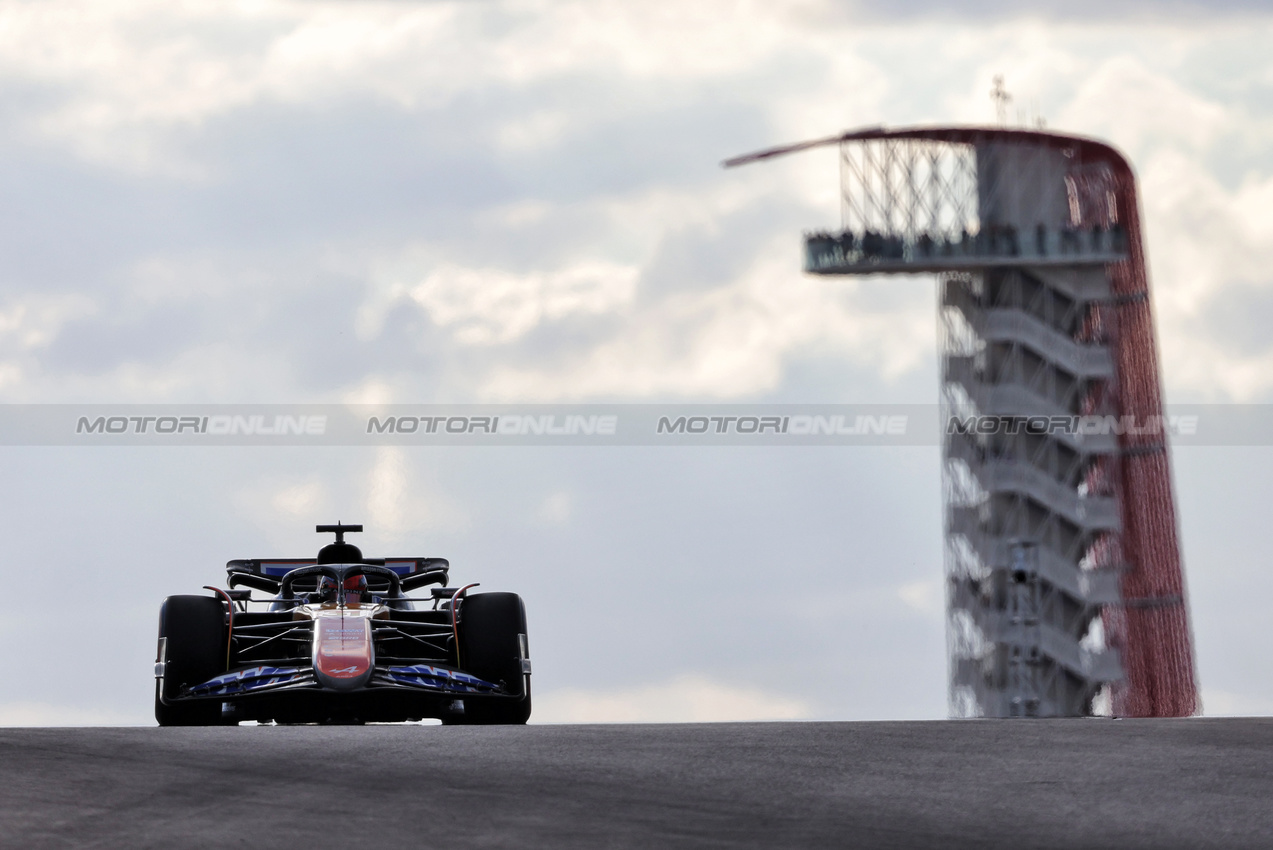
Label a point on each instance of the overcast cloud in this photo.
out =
(522, 201)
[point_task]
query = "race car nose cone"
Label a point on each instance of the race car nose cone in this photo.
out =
(343, 654)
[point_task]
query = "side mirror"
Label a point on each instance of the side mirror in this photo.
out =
(414, 580)
(259, 582)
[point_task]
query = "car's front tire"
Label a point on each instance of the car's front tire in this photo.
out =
(192, 630)
(492, 631)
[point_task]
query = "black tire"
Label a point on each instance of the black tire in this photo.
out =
(492, 627)
(194, 627)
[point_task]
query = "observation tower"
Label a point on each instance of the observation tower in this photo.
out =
(1063, 569)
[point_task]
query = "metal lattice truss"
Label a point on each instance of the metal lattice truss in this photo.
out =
(931, 205)
(915, 187)
(908, 187)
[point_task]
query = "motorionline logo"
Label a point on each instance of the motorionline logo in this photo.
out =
(548, 425)
(801, 425)
(1084, 426)
(222, 425)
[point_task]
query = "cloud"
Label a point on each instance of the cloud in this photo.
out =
(301, 500)
(1210, 250)
(60, 714)
(685, 699)
(33, 322)
(488, 306)
(1087, 11)
(276, 501)
(1229, 704)
(405, 501)
(927, 596)
(729, 341)
(125, 81)
(540, 220)
(1122, 97)
(556, 509)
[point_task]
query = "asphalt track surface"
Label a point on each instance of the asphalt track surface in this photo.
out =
(1019, 784)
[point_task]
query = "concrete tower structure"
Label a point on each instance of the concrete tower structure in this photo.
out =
(1063, 569)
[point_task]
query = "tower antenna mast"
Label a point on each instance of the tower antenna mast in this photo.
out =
(1000, 96)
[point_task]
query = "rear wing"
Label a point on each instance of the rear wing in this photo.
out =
(267, 575)
(279, 567)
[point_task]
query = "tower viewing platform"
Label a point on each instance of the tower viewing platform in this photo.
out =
(871, 252)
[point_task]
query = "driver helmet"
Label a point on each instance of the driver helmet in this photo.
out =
(326, 591)
(355, 587)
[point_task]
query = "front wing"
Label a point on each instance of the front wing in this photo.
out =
(430, 678)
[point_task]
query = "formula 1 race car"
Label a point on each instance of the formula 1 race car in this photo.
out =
(340, 641)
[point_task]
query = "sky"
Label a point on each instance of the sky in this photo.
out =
(522, 202)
